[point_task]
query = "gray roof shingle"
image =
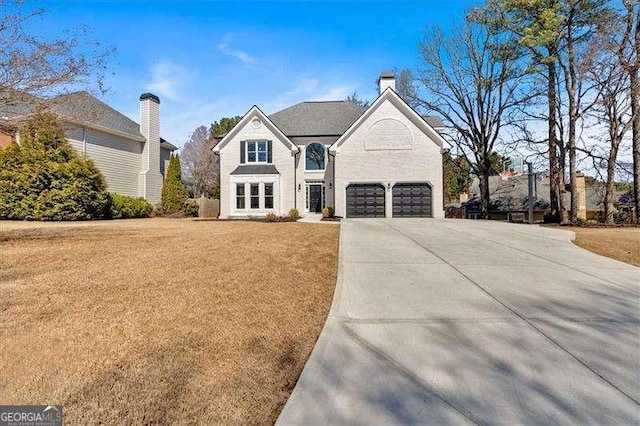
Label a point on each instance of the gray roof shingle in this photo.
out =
(85, 108)
(325, 118)
(331, 118)
(80, 107)
(255, 169)
(513, 193)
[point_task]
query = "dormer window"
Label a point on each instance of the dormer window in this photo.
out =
(255, 152)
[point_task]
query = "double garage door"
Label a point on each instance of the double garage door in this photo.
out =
(409, 200)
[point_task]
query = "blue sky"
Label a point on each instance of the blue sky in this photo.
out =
(211, 59)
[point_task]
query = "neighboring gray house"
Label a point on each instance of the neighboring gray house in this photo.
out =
(509, 196)
(380, 161)
(131, 156)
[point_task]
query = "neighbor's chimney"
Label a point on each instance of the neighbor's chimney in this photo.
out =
(582, 196)
(150, 129)
(150, 178)
(386, 79)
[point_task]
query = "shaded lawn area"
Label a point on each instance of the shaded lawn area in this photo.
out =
(621, 243)
(161, 321)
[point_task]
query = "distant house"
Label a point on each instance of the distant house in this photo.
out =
(509, 199)
(384, 160)
(131, 156)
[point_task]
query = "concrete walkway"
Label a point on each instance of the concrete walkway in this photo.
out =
(470, 322)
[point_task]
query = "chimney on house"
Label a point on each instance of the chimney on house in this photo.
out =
(582, 196)
(386, 79)
(150, 177)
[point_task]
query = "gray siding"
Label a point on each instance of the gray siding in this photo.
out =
(165, 157)
(118, 159)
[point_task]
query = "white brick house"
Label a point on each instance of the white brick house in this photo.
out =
(380, 161)
(131, 156)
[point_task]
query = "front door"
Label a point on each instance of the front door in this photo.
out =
(315, 197)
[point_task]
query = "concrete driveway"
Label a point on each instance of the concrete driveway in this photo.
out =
(456, 322)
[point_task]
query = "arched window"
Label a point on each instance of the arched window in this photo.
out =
(314, 157)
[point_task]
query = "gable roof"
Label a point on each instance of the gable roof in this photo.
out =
(324, 118)
(254, 112)
(390, 95)
(84, 109)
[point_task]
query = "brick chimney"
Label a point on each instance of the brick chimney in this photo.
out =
(386, 79)
(150, 183)
(582, 196)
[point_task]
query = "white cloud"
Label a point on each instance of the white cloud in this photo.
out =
(336, 93)
(168, 80)
(241, 55)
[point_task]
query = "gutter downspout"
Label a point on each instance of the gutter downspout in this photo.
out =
(84, 142)
(295, 179)
(219, 186)
(333, 167)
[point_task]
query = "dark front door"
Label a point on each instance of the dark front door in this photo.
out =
(365, 200)
(315, 198)
(412, 200)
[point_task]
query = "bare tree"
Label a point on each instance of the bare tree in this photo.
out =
(406, 87)
(472, 80)
(32, 66)
(613, 109)
(200, 165)
(354, 98)
(628, 49)
(581, 26)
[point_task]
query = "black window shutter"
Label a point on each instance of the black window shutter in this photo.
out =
(242, 148)
(269, 155)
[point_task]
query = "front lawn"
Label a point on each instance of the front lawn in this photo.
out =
(161, 321)
(621, 243)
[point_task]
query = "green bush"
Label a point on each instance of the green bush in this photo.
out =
(174, 194)
(328, 212)
(190, 208)
(43, 178)
(125, 207)
(294, 214)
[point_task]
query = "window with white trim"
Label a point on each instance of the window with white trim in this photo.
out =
(268, 195)
(255, 196)
(240, 196)
(315, 157)
(257, 152)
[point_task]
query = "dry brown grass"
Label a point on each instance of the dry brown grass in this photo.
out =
(161, 321)
(617, 243)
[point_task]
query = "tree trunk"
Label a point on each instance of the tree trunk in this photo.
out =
(555, 196)
(610, 186)
(571, 144)
(635, 110)
(573, 172)
(635, 129)
(485, 199)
